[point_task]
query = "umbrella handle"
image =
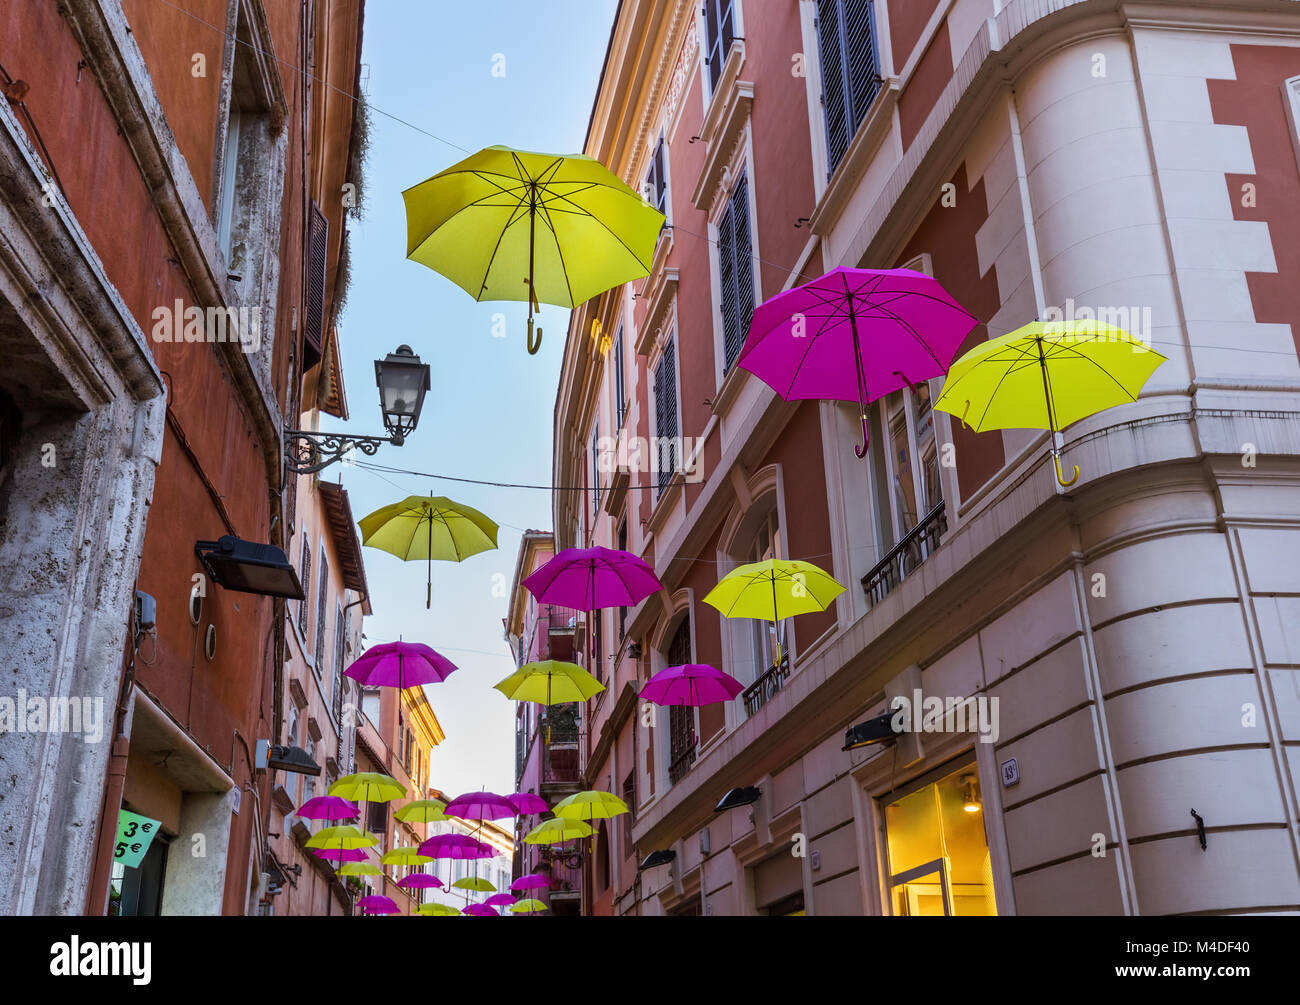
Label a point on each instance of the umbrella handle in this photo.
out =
(866, 439)
(1060, 475)
(533, 347)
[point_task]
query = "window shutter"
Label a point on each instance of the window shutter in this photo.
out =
(620, 380)
(595, 471)
(846, 32)
(736, 270)
(666, 415)
(306, 586)
(658, 182)
(322, 592)
(317, 254)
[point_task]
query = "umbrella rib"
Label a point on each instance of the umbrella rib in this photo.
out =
(1075, 352)
(989, 404)
(616, 237)
(559, 251)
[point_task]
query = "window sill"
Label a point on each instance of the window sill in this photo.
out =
(662, 290)
(738, 99)
(666, 502)
(726, 81)
(729, 390)
(866, 142)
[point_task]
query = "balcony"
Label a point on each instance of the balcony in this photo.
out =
(762, 690)
(564, 866)
(916, 546)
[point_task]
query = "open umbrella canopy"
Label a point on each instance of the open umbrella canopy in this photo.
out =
(558, 830)
(590, 805)
(482, 911)
(400, 665)
(340, 854)
(500, 900)
(377, 904)
(476, 883)
(550, 682)
(456, 846)
(438, 910)
(481, 806)
(328, 808)
(428, 528)
(346, 837)
(422, 811)
(587, 579)
(420, 881)
(528, 906)
(692, 684)
(405, 856)
(773, 589)
(507, 224)
(360, 869)
(532, 881)
(1047, 375)
(527, 804)
(855, 335)
(368, 787)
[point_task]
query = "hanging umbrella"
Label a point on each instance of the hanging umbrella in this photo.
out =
(590, 805)
(400, 665)
(422, 811)
(500, 900)
(691, 684)
(429, 528)
(347, 838)
(855, 335)
(590, 578)
(360, 869)
(328, 808)
(481, 911)
(481, 806)
(529, 906)
(420, 881)
(533, 881)
(527, 804)
(405, 856)
(550, 682)
(368, 787)
(475, 883)
(438, 910)
(773, 590)
(377, 904)
(456, 846)
(514, 225)
(340, 855)
(558, 830)
(1047, 375)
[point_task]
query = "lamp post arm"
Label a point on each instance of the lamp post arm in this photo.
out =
(307, 452)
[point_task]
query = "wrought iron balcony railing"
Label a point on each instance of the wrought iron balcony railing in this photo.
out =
(915, 547)
(761, 691)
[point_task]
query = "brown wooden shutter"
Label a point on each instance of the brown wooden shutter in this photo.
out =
(317, 253)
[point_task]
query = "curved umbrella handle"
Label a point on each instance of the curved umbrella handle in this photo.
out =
(533, 347)
(866, 439)
(1060, 475)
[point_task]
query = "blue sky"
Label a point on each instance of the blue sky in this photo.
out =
(489, 412)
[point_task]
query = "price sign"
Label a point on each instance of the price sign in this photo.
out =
(134, 835)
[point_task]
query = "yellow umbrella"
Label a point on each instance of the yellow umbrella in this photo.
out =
(546, 228)
(550, 682)
(368, 787)
(590, 805)
(438, 910)
(557, 831)
(1047, 375)
(405, 856)
(528, 906)
(773, 590)
(346, 838)
(422, 811)
(429, 527)
(360, 869)
(475, 883)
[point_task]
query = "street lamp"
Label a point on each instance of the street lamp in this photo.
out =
(403, 381)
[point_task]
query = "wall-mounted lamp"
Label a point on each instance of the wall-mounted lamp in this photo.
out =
(737, 798)
(656, 858)
(876, 730)
(970, 794)
(249, 567)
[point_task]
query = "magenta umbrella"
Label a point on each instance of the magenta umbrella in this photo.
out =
(456, 846)
(377, 904)
(691, 684)
(855, 335)
(400, 665)
(500, 900)
(590, 578)
(419, 881)
(533, 881)
(482, 911)
(340, 855)
(481, 806)
(329, 808)
(527, 804)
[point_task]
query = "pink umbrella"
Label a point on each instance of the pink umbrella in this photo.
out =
(533, 881)
(481, 911)
(500, 900)
(419, 881)
(456, 846)
(400, 665)
(692, 684)
(855, 335)
(481, 806)
(527, 804)
(590, 578)
(377, 904)
(329, 808)
(340, 856)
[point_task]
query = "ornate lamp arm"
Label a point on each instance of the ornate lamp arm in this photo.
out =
(307, 452)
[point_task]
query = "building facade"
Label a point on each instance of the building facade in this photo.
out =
(547, 740)
(1131, 638)
(174, 188)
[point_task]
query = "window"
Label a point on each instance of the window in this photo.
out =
(656, 181)
(663, 456)
(629, 797)
(939, 862)
(340, 637)
(138, 892)
(322, 598)
(846, 31)
(377, 818)
(719, 33)
(303, 604)
(681, 718)
(595, 471)
(291, 781)
(620, 382)
(229, 178)
(735, 272)
(622, 546)
(313, 331)
(767, 544)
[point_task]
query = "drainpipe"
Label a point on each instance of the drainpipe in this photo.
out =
(115, 785)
